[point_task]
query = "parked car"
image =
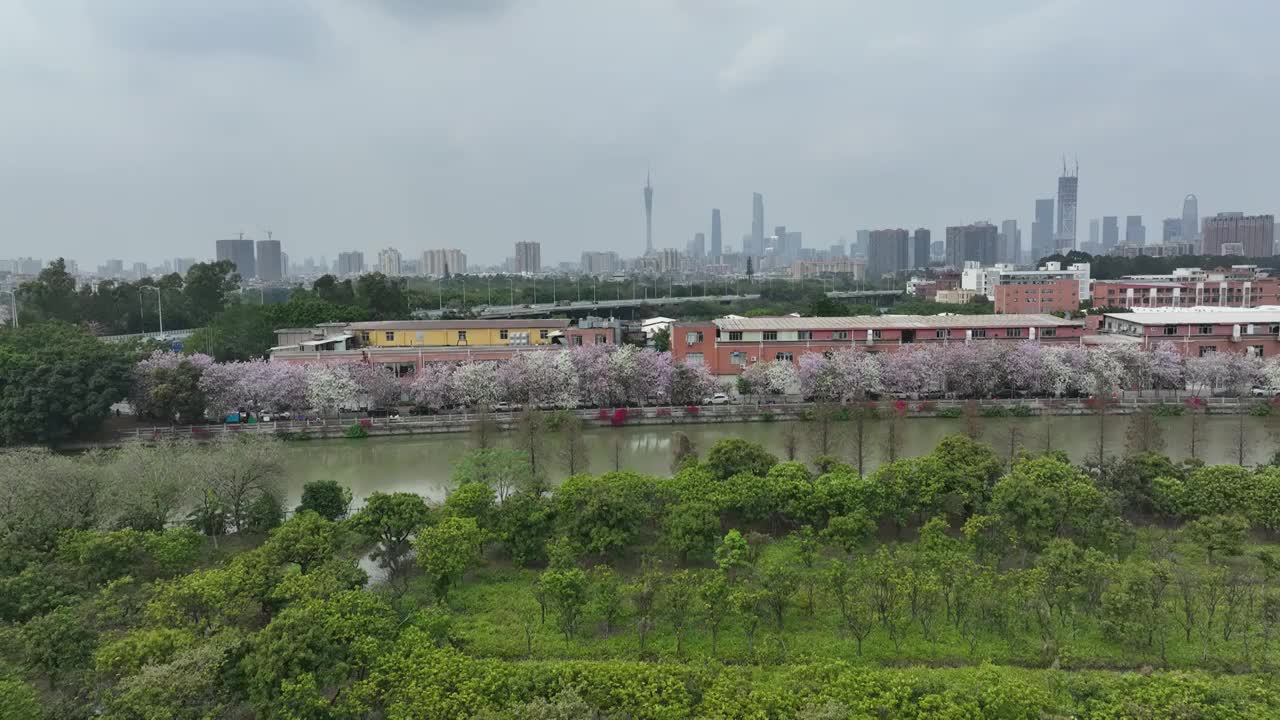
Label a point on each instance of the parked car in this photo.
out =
(717, 399)
(1260, 391)
(505, 407)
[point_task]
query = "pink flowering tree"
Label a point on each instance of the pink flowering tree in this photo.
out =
(1166, 367)
(1025, 369)
(691, 383)
(538, 377)
(331, 388)
(652, 376)
(1064, 370)
(476, 384)
(911, 371)
(433, 389)
(147, 371)
(591, 364)
(775, 377)
(857, 373)
(254, 386)
(378, 386)
(973, 369)
(1105, 373)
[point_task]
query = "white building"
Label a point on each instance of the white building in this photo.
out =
(389, 262)
(436, 262)
(983, 280)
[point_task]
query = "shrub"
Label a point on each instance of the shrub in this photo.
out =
(1260, 410)
(356, 432)
(768, 417)
(950, 412)
(993, 411)
(326, 498)
(1168, 410)
(1020, 411)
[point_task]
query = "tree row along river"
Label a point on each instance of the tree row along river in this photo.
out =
(423, 464)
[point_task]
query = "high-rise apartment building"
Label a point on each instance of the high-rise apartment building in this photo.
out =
(1135, 233)
(1068, 191)
(717, 248)
(114, 268)
(389, 262)
(139, 271)
(1110, 231)
(1171, 230)
(1255, 234)
(976, 242)
(887, 253)
(528, 257)
(1095, 234)
(920, 253)
(1010, 242)
(599, 263)
(182, 265)
(757, 226)
(669, 260)
(240, 252)
(697, 248)
(438, 263)
(350, 263)
(862, 243)
(1042, 244)
(270, 264)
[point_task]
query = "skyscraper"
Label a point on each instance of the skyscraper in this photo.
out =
(1095, 234)
(435, 263)
(862, 243)
(757, 226)
(1135, 230)
(240, 252)
(887, 253)
(1010, 241)
(717, 249)
(1110, 231)
(270, 265)
(1191, 221)
(1171, 230)
(1068, 188)
(971, 242)
(350, 263)
(648, 218)
(389, 262)
(1042, 230)
(697, 248)
(920, 248)
(529, 257)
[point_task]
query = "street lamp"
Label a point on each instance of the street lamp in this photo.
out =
(13, 298)
(159, 304)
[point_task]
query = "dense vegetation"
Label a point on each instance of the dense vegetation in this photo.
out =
(949, 585)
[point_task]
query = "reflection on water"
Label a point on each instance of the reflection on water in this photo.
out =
(423, 464)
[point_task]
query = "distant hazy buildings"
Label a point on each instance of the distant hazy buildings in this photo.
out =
(389, 262)
(350, 263)
(1255, 234)
(182, 265)
(1095, 233)
(1010, 242)
(976, 242)
(648, 219)
(757, 226)
(888, 252)
(600, 263)
(438, 263)
(1068, 189)
(717, 247)
(1171, 230)
(270, 264)
(139, 271)
(861, 244)
(920, 250)
(1191, 220)
(1042, 244)
(528, 257)
(240, 252)
(1135, 233)
(114, 268)
(1110, 231)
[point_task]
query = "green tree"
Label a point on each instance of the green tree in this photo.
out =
(384, 297)
(690, 528)
(473, 500)
(51, 296)
(18, 700)
(778, 582)
(849, 531)
(306, 539)
(566, 592)
(851, 591)
(1045, 498)
(502, 469)
(446, 550)
(265, 513)
(733, 456)
(604, 514)
(57, 643)
(326, 498)
(390, 518)
(679, 593)
(715, 603)
(733, 556)
(1219, 534)
(176, 394)
(524, 522)
(662, 340)
(57, 382)
(241, 332)
(1219, 490)
(206, 289)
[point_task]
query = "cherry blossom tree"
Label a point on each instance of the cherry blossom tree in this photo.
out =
(538, 377)
(433, 388)
(1025, 368)
(591, 366)
(254, 386)
(690, 383)
(775, 377)
(910, 371)
(1166, 367)
(973, 369)
(331, 388)
(378, 385)
(476, 383)
(1104, 373)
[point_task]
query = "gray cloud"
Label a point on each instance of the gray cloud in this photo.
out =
(148, 129)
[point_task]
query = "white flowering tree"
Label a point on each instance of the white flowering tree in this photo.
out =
(591, 364)
(911, 371)
(330, 388)
(433, 388)
(378, 385)
(476, 384)
(1166, 367)
(774, 377)
(690, 383)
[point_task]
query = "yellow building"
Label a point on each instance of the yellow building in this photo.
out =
(456, 333)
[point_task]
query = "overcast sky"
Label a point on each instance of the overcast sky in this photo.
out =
(146, 129)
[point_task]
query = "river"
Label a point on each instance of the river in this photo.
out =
(422, 464)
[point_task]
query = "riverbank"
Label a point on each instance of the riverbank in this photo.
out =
(342, 427)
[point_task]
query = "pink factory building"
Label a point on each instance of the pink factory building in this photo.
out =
(1200, 332)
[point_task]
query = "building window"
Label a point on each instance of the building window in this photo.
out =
(1255, 350)
(694, 359)
(577, 339)
(980, 333)
(1205, 330)
(875, 334)
(1274, 329)
(462, 336)
(544, 334)
(1013, 332)
(841, 335)
(804, 335)
(693, 338)
(1048, 332)
(602, 340)
(1208, 349)
(940, 333)
(737, 358)
(364, 337)
(391, 336)
(502, 334)
(1170, 329)
(421, 337)
(735, 335)
(784, 356)
(770, 334)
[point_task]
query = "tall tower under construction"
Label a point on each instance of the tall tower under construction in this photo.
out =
(1068, 189)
